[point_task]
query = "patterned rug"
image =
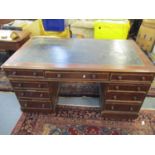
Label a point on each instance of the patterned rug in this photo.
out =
(74, 122)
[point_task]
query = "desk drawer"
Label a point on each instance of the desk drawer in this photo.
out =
(131, 77)
(130, 87)
(24, 73)
(77, 75)
(26, 85)
(35, 104)
(32, 94)
(121, 107)
(125, 96)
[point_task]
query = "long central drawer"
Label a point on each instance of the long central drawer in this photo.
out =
(77, 75)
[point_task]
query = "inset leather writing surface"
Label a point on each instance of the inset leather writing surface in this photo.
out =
(77, 51)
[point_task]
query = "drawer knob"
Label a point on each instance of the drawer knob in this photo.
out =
(14, 73)
(112, 107)
(19, 85)
(58, 75)
(22, 94)
(84, 76)
(41, 95)
(94, 76)
(117, 87)
(43, 105)
(138, 88)
(25, 105)
(131, 109)
(34, 73)
(114, 97)
(135, 97)
(120, 77)
(143, 78)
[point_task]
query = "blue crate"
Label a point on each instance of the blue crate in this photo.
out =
(53, 24)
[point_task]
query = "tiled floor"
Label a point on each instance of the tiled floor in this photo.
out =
(10, 111)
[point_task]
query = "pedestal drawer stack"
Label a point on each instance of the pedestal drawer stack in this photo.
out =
(32, 90)
(125, 94)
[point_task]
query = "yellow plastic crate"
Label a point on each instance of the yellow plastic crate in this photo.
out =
(111, 29)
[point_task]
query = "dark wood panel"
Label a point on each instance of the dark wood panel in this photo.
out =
(131, 77)
(29, 85)
(128, 87)
(121, 107)
(36, 104)
(125, 96)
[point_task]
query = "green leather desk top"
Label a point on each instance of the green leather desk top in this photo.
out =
(40, 52)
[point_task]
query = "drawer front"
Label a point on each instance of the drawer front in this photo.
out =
(129, 87)
(77, 75)
(34, 85)
(125, 96)
(35, 104)
(131, 77)
(31, 94)
(25, 73)
(125, 107)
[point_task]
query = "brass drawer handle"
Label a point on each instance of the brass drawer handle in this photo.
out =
(84, 76)
(138, 88)
(143, 78)
(117, 87)
(112, 107)
(43, 105)
(131, 108)
(120, 77)
(34, 73)
(94, 76)
(114, 97)
(59, 76)
(39, 85)
(19, 85)
(25, 105)
(14, 73)
(41, 95)
(21, 94)
(135, 97)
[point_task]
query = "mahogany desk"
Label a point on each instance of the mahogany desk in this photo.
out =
(122, 71)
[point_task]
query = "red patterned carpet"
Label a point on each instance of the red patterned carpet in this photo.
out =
(73, 122)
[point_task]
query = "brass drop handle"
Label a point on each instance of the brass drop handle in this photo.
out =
(34, 73)
(115, 97)
(138, 88)
(39, 85)
(84, 76)
(14, 73)
(120, 77)
(43, 105)
(58, 75)
(25, 105)
(22, 94)
(135, 97)
(117, 87)
(19, 85)
(41, 95)
(94, 76)
(143, 78)
(131, 108)
(112, 107)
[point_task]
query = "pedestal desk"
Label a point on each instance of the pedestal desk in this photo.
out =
(121, 70)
